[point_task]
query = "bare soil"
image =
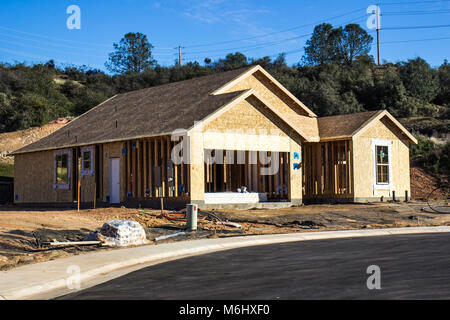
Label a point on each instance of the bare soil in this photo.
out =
(12, 141)
(24, 232)
(423, 183)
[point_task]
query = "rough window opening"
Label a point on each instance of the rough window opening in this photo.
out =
(62, 169)
(87, 159)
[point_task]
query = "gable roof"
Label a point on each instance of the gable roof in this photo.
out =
(342, 126)
(148, 112)
(252, 93)
(352, 125)
(379, 116)
(254, 69)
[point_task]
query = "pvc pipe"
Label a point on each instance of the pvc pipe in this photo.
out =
(191, 217)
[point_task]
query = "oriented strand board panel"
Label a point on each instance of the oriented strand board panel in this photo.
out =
(87, 184)
(245, 127)
(87, 188)
(295, 175)
(275, 96)
(33, 179)
(364, 161)
(196, 167)
(244, 117)
(245, 142)
(279, 100)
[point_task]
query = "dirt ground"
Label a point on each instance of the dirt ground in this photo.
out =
(24, 232)
(423, 183)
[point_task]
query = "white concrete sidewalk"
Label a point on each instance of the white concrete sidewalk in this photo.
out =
(41, 278)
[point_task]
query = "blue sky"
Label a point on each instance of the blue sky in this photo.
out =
(34, 31)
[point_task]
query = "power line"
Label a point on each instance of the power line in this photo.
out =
(413, 2)
(265, 44)
(64, 40)
(415, 40)
(48, 43)
(276, 32)
(47, 49)
(414, 13)
(24, 54)
(52, 38)
(418, 27)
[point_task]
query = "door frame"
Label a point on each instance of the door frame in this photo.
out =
(111, 181)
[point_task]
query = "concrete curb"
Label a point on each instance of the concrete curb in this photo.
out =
(34, 279)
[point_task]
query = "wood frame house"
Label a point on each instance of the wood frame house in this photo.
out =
(203, 140)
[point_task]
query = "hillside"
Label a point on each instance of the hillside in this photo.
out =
(12, 141)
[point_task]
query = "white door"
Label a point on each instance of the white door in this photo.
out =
(114, 184)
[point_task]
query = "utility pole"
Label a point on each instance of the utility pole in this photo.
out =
(179, 55)
(378, 35)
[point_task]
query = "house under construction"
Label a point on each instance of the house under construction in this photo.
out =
(237, 138)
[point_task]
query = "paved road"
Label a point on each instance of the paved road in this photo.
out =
(412, 267)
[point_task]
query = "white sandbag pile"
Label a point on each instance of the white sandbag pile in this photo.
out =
(121, 233)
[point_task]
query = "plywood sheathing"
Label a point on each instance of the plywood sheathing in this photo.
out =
(34, 178)
(87, 183)
(270, 82)
(383, 129)
(196, 166)
(286, 106)
(295, 175)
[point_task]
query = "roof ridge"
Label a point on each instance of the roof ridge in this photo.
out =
(351, 114)
(191, 79)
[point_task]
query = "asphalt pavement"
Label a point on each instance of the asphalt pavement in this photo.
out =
(411, 267)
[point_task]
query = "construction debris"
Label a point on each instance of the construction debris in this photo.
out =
(74, 243)
(169, 236)
(230, 224)
(120, 233)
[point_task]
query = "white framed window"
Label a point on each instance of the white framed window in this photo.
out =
(382, 166)
(61, 169)
(87, 161)
(382, 162)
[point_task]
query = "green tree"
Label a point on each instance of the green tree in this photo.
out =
(443, 96)
(340, 45)
(231, 61)
(132, 54)
(319, 49)
(350, 42)
(419, 79)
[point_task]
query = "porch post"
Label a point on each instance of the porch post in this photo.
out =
(295, 173)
